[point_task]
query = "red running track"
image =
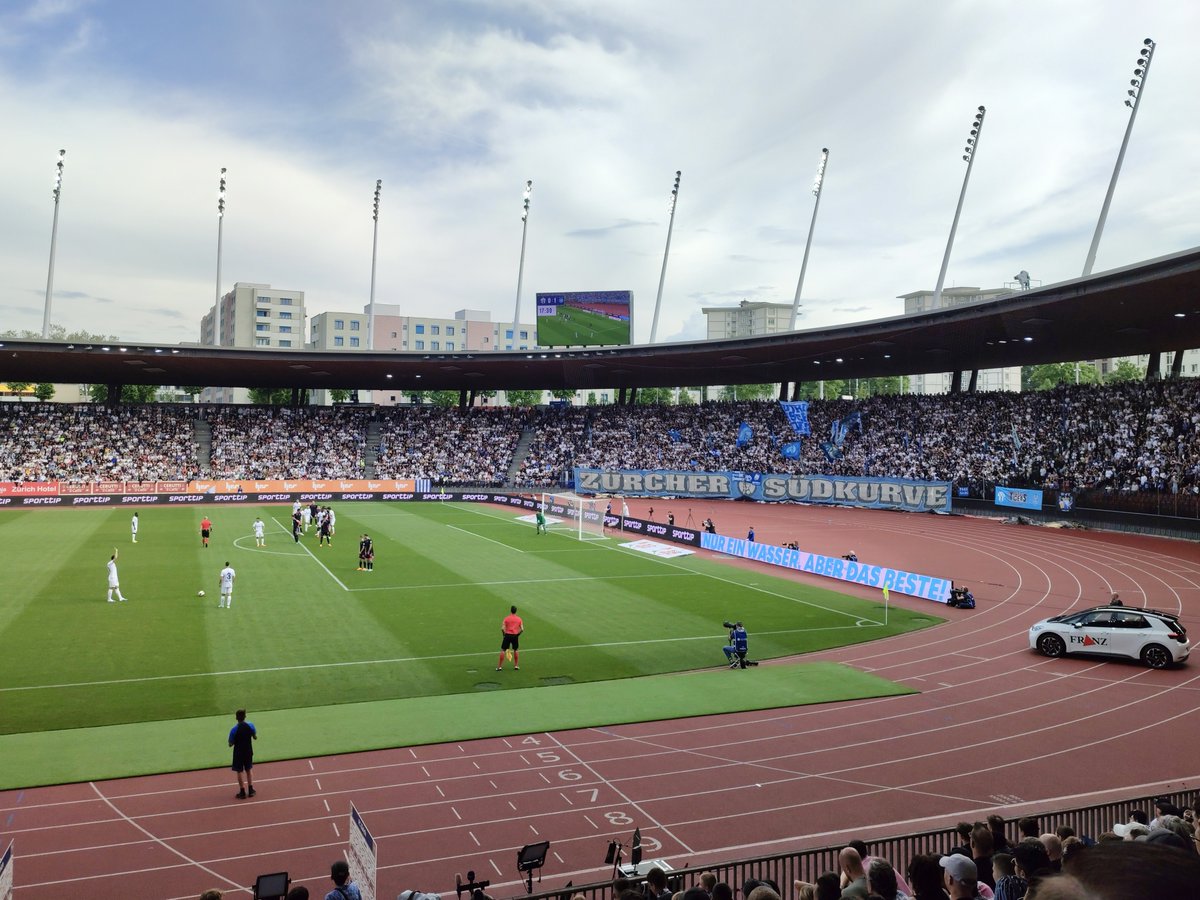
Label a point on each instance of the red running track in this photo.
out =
(995, 728)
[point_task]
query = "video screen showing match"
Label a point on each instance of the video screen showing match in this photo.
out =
(584, 319)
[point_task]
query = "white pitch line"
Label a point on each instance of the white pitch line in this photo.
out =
(317, 561)
(463, 584)
(379, 662)
(482, 538)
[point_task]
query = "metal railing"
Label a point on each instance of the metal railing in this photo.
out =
(805, 865)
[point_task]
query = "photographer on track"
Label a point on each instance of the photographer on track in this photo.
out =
(738, 647)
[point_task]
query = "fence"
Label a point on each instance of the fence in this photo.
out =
(806, 865)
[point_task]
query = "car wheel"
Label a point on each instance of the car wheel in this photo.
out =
(1156, 656)
(1052, 645)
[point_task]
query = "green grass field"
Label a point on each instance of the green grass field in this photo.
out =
(307, 631)
(582, 328)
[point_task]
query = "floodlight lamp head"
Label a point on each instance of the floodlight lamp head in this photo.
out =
(1138, 72)
(966, 158)
(983, 109)
(1129, 103)
(1135, 82)
(1148, 42)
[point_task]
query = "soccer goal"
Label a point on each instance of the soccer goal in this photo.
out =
(583, 517)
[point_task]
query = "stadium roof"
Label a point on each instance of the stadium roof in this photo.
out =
(1151, 306)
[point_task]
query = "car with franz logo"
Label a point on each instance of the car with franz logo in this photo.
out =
(1155, 637)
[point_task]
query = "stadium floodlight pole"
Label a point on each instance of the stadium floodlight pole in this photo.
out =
(1140, 73)
(521, 266)
(57, 193)
(816, 189)
(220, 224)
(969, 157)
(662, 277)
(374, 248)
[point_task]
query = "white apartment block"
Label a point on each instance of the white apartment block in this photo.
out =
(258, 316)
(749, 318)
(1006, 379)
(1189, 368)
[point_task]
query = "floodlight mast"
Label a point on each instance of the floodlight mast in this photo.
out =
(662, 277)
(220, 225)
(969, 156)
(374, 249)
(521, 265)
(56, 193)
(816, 189)
(1140, 73)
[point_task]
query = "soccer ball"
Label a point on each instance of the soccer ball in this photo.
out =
(199, 593)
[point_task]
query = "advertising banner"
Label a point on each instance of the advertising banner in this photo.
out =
(1021, 498)
(307, 485)
(871, 493)
(928, 587)
(362, 855)
(28, 488)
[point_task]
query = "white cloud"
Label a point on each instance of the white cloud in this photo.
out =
(455, 106)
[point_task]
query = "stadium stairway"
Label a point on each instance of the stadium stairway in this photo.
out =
(371, 449)
(202, 435)
(519, 454)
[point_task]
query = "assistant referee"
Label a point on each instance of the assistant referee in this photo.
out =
(511, 631)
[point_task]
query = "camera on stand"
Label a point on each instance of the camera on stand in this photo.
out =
(728, 624)
(475, 889)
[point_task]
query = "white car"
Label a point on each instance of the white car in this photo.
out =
(1156, 638)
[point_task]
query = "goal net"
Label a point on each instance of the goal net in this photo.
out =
(583, 517)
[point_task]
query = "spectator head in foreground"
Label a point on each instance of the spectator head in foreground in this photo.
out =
(961, 875)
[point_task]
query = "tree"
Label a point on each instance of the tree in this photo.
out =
(1124, 370)
(563, 394)
(879, 387)
(683, 397)
(1051, 375)
(443, 399)
(192, 390)
(130, 393)
(592, 400)
(811, 390)
(416, 398)
(339, 395)
(43, 391)
(652, 396)
(19, 388)
(523, 398)
(748, 391)
(271, 396)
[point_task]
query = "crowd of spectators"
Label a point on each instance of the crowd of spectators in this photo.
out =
(284, 442)
(91, 442)
(1135, 437)
(449, 446)
(1146, 857)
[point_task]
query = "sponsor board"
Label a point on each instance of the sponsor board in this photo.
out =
(272, 498)
(142, 498)
(186, 498)
(362, 855)
(28, 488)
(914, 584)
(228, 498)
(1021, 498)
(396, 496)
(654, 548)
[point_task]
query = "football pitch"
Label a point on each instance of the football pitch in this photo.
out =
(307, 630)
(582, 328)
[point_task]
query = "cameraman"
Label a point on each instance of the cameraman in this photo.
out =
(739, 645)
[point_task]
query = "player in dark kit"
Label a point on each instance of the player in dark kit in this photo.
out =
(366, 554)
(297, 526)
(326, 532)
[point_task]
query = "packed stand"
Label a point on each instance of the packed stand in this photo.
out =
(448, 445)
(282, 442)
(1136, 436)
(93, 442)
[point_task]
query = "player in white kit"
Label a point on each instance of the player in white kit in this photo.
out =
(114, 583)
(259, 540)
(227, 576)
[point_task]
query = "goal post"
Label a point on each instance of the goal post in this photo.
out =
(582, 517)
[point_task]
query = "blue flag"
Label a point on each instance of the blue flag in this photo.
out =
(674, 435)
(790, 450)
(745, 433)
(832, 453)
(797, 416)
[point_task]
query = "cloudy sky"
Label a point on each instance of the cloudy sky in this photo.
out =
(455, 104)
